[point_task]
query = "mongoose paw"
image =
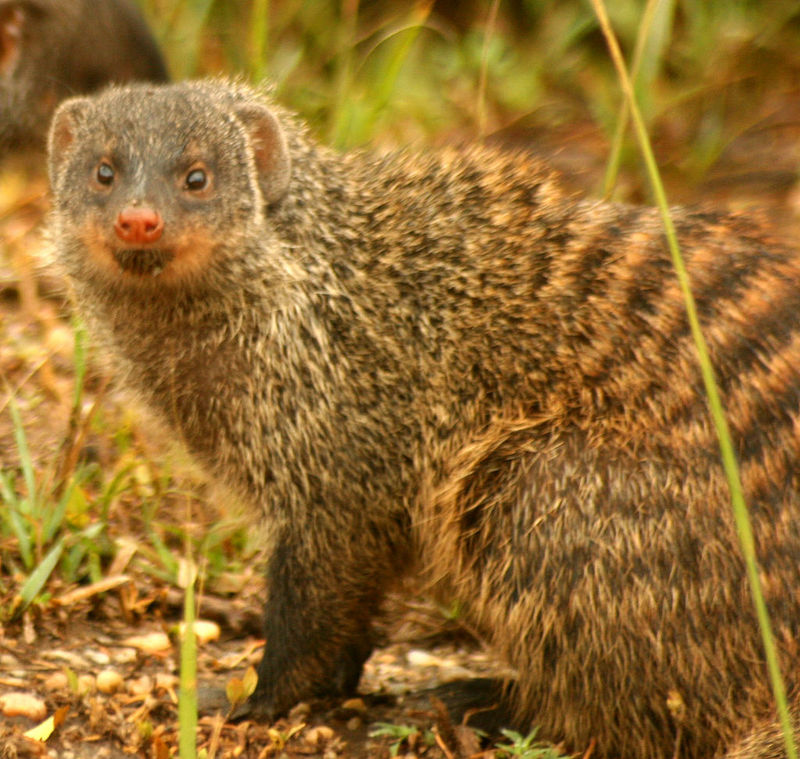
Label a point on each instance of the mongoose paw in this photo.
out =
(277, 692)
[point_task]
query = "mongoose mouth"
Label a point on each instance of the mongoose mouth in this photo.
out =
(143, 262)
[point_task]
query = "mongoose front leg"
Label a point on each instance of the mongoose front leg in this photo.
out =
(318, 623)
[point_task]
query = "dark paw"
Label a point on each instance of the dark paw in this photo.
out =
(482, 701)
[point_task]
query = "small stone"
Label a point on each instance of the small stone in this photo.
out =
(319, 735)
(356, 705)
(204, 630)
(141, 686)
(151, 643)
(354, 723)
(56, 681)
(86, 684)
(74, 661)
(23, 705)
(166, 681)
(124, 655)
(100, 658)
(109, 681)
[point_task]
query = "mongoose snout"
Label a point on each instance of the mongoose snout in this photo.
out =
(139, 225)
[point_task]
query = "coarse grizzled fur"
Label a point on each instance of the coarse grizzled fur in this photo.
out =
(444, 361)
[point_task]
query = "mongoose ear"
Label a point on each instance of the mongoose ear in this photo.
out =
(63, 129)
(270, 150)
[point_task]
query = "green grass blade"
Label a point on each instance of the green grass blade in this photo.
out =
(484, 74)
(615, 154)
(729, 463)
(26, 504)
(346, 40)
(54, 519)
(14, 519)
(259, 32)
(352, 126)
(407, 36)
(187, 696)
(79, 361)
(36, 580)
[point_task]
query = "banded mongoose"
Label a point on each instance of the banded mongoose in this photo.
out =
(51, 49)
(443, 360)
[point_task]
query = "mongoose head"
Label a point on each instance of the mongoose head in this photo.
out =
(162, 185)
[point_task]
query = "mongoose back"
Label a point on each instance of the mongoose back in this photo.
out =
(51, 49)
(444, 361)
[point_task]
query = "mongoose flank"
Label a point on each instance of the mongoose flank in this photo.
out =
(51, 49)
(444, 361)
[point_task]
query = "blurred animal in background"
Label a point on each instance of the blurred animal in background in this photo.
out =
(51, 49)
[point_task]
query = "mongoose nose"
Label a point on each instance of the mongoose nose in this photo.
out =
(139, 225)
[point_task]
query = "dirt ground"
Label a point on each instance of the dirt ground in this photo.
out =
(112, 687)
(102, 660)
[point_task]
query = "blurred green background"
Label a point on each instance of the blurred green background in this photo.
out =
(714, 76)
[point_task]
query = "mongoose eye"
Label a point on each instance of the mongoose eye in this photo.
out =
(105, 173)
(196, 179)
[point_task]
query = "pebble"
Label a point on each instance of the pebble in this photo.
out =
(109, 681)
(56, 681)
(124, 655)
(150, 643)
(418, 658)
(141, 686)
(354, 723)
(204, 630)
(318, 736)
(86, 684)
(166, 681)
(100, 658)
(74, 661)
(23, 705)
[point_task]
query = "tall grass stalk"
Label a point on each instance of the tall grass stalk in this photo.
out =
(729, 463)
(491, 21)
(406, 36)
(345, 65)
(187, 694)
(354, 117)
(615, 154)
(259, 34)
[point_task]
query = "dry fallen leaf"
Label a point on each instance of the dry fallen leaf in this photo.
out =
(45, 729)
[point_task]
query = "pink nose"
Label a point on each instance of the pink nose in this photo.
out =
(139, 225)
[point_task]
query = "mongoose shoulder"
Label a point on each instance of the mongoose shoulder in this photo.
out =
(444, 361)
(51, 49)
